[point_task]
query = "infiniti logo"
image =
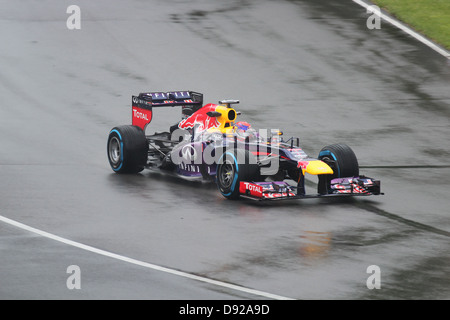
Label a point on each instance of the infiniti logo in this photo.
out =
(189, 153)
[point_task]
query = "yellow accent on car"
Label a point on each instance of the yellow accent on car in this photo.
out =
(227, 118)
(318, 167)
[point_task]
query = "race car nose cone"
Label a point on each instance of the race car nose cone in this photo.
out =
(315, 167)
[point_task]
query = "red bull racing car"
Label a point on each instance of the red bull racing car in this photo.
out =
(209, 143)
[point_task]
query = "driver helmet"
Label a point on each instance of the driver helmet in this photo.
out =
(244, 130)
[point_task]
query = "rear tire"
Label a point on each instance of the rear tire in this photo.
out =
(234, 167)
(127, 149)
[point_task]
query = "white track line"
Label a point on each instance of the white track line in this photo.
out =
(141, 263)
(406, 29)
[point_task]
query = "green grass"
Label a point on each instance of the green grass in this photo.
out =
(429, 17)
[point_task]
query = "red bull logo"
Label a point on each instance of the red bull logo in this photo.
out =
(201, 119)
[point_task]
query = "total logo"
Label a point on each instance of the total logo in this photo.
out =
(253, 189)
(139, 115)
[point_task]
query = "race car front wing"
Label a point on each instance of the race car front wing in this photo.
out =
(281, 190)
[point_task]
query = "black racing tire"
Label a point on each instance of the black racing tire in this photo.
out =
(127, 149)
(343, 158)
(232, 168)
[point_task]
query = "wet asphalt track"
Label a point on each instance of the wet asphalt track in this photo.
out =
(310, 68)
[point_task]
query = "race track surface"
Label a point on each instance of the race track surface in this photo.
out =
(310, 68)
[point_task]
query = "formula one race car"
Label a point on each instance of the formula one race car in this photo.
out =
(210, 144)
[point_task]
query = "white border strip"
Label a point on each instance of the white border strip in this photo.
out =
(141, 263)
(406, 29)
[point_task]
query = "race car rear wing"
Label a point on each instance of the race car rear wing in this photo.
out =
(142, 105)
